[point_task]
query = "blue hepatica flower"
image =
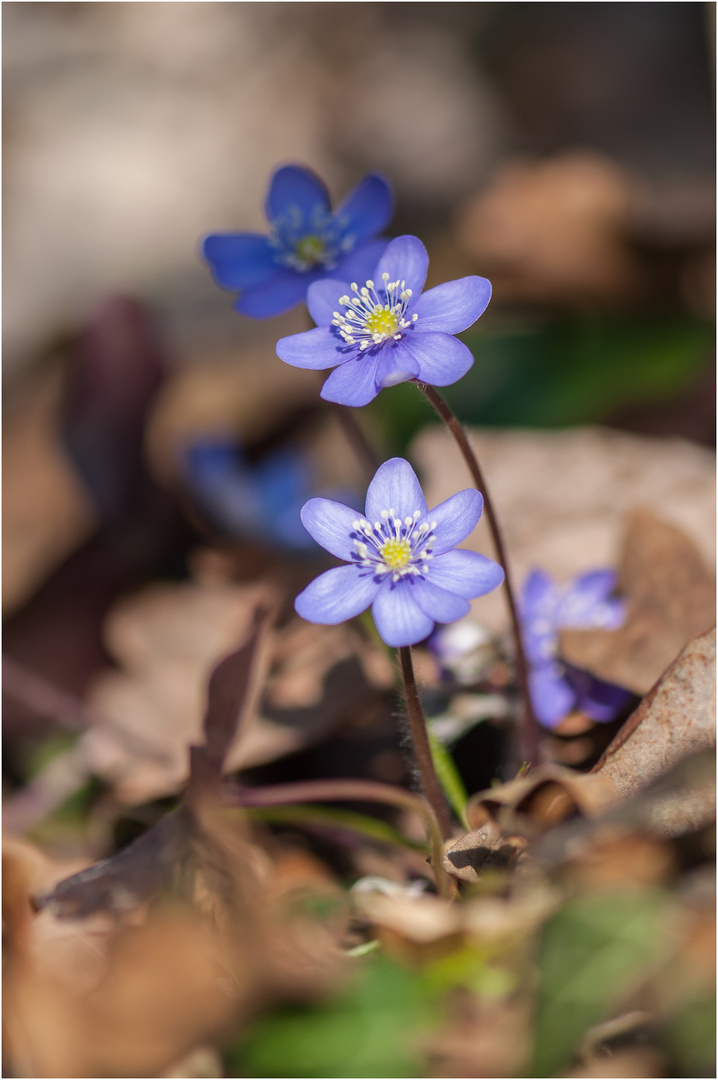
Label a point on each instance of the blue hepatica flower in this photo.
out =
(306, 242)
(260, 501)
(385, 331)
(547, 608)
(401, 558)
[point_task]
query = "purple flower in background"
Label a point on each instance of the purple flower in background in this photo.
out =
(306, 242)
(401, 558)
(385, 331)
(260, 500)
(548, 608)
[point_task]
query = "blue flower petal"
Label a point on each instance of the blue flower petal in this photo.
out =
(274, 296)
(398, 617)
(360, 264)
(354, 383)
(540, 595)
(395, 486)
(455, 518)
(331, 525)
(396, 365)
(442, 359)
(465, 573)
(405, 259)
(294, 187)
(240, 260)
(367, 210)
(438, 604)
(314, 349)
(337, 595)
(551, 696)
(323, 299)
(586, 603)
(453, 306)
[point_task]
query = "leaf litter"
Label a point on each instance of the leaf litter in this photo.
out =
(573, 941)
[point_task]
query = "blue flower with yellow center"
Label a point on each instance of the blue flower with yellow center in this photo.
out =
(400, 557)
(307, 242)
(385, 330)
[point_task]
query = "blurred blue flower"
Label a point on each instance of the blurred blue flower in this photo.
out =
(306, 242)
(378, 335)
(547, 608)
(258, 501)
(401, 558)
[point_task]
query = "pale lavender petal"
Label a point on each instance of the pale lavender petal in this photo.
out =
(455, 518)
(331, 525)
(405, 259)
(453, 306)
(442, 359)
(586, 602)
(394, 487)
(398, 617)
(438, 604)
(540, 595)
(354, 383)
(337, 595)
(323, 300)
(465, 573)
(314, 349)
(296, 188)
(396, 365)
(551, 696)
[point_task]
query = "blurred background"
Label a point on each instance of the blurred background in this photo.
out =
(565, 151)
(157, 452)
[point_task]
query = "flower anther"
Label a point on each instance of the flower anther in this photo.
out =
(373, 316)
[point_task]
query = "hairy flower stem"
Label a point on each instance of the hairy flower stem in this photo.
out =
(529, 728)
(420, 742)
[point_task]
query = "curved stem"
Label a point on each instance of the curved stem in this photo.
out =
(529, 729)
(421, 744)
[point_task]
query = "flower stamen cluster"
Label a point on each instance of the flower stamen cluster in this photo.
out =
(304, 243)
(396, 547)
(374, 316)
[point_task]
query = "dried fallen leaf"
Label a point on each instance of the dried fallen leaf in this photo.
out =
(676, 719)
(670, 600)
(555, 228)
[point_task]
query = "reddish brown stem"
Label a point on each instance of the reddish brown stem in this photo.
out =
(422, 747)
(529, 729)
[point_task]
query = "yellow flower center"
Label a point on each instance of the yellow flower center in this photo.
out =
(396, 553)
(382, 321)
(310, 250)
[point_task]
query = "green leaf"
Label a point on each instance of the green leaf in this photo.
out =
(449, 778)
(372, 1029)
(590, 953)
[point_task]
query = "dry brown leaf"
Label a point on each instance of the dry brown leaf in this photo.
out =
(670, 600)
(46, 511)
(676, 719)
(555, 229)
(168, 638)
(479, 850)
(540, 801)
